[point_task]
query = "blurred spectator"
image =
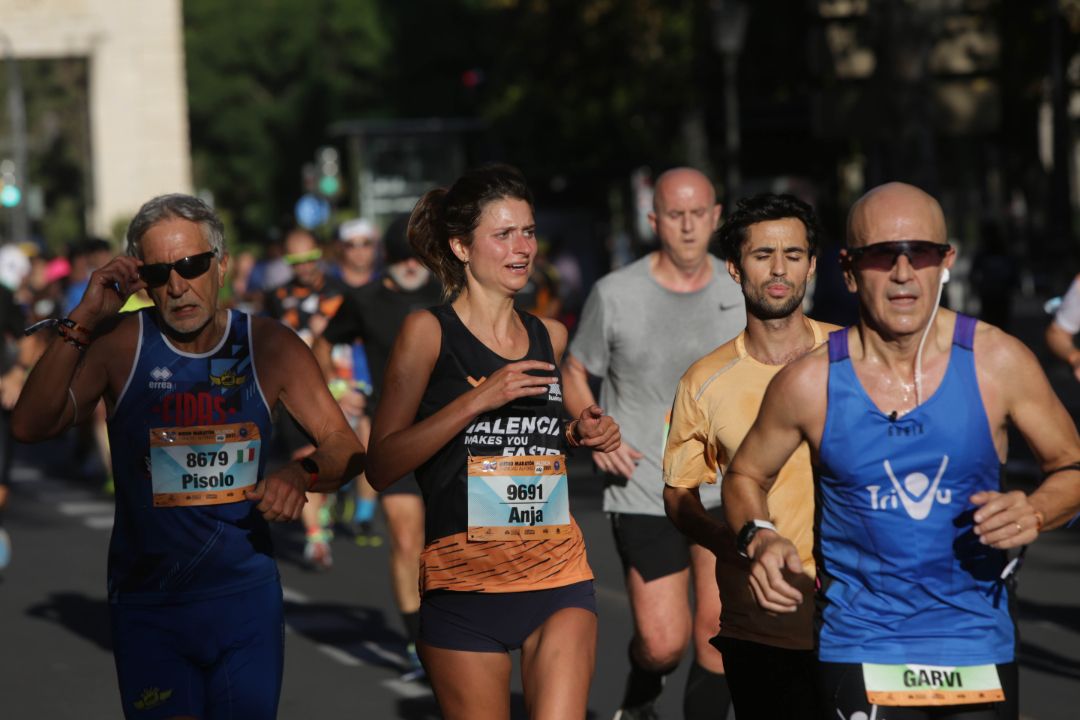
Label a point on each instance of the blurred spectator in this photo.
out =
(46, 286)
(357, 254)
(84, 258)
(1066, 323)
(833, 302)
(541, 294)
(270, 271)
(14, 267)
(306, 303)
(15, 359)
(245, 296)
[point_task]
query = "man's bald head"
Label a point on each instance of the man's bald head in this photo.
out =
(684, 216)
(682, 180)
(895, 211)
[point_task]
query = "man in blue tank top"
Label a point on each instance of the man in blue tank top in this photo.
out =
(195, 598)
(906, 414)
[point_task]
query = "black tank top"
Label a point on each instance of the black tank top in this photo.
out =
(526, 426)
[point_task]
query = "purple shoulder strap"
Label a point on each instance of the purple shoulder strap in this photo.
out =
(838, 345)
(964, 333)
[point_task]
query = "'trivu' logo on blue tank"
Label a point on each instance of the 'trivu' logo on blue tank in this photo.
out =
(916, 493)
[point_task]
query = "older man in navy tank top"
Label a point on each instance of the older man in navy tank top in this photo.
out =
(194, 594)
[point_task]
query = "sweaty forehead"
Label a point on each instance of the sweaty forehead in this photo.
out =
(898, 212)
(170, 238)
(783, 233)
(506, 212)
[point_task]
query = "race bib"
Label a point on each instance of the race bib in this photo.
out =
(899, 685)
(521, 496)
(204, 465)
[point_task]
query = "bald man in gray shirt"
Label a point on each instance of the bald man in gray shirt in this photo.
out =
(641, 328)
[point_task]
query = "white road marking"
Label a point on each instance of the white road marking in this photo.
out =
(339, 655)
(293, 596)
(355, 657)
(379, 651)
(99, 523)
(407, 689)
(86, 507)
(95, 514)
(609, 594)
(26, 474)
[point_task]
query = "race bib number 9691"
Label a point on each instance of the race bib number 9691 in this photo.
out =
(521, 496)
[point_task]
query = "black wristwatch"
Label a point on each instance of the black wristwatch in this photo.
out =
(746, 535)
(311, 468)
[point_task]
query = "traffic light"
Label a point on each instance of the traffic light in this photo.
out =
(329, 171)
(10, 192)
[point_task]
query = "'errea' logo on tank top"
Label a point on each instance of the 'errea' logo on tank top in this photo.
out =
(916, 494)
(159, 379)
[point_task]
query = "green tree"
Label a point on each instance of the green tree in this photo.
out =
(583, 89)
(265, 80)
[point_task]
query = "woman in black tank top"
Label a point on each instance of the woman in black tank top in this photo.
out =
(472, 403)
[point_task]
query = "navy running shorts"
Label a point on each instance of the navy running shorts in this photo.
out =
(216, 659)
(495, 622)
(405, 486)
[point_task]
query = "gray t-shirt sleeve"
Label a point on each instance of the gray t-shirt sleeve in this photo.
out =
(590, 344)
(1068, 315)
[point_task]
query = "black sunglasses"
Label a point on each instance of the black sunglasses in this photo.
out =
(883, 255)
(189, 268)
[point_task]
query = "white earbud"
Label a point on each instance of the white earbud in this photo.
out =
(945, 276)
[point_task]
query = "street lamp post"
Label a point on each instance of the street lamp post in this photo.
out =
(20, 223)
(729, 18)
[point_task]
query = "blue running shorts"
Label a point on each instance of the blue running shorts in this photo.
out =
(216, 659)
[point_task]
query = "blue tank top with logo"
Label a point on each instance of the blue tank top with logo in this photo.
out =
(904, 578)
(189, 433)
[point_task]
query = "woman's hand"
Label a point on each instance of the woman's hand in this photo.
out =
(511, 382)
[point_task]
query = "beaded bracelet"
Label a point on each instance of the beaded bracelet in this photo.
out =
(58, 323)
(571, 440)
(66, 334)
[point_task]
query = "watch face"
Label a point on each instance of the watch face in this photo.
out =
(309, 465)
